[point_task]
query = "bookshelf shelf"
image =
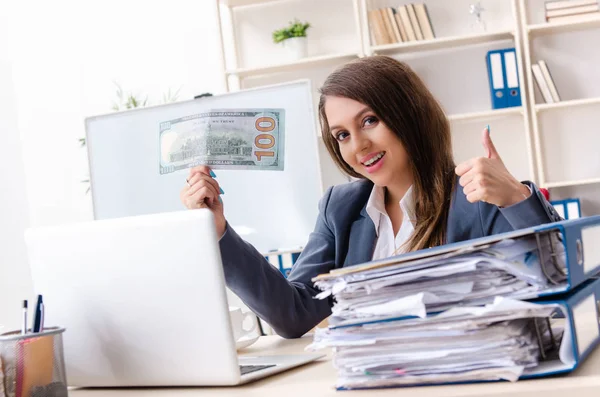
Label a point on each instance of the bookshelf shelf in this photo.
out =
(444, 42)
(560, 27)
(567, 104)
(322, 60)
(579, 182)
(488, 114)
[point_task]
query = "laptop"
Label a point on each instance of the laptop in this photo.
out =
(143, 302)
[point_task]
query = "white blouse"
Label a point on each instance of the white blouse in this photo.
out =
(388, 244)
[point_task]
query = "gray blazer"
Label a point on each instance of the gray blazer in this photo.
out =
(344, 235)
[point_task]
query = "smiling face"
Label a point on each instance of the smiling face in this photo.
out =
(393, 132)
(366, 144)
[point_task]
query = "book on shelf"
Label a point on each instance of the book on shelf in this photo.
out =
(571, 11)
(405, 19)
(387, 26)
(377, 35)
(424, 21)
(408, 22)
(562, 4)
(403, 34)
(381, 20)
(414, 21)
(393, 26)
(542, 84)
(549, 80)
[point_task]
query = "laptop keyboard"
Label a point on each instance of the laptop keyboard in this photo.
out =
(246, 369)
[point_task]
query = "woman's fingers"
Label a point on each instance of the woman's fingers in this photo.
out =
(196, 181)
(203, 198)
(470, 188)
(474, 197)
(201, 190)
(202, 169)
(198, 186)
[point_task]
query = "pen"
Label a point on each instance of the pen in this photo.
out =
(38, 316)
(24, 328)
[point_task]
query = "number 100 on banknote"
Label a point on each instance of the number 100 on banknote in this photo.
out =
(244, 139)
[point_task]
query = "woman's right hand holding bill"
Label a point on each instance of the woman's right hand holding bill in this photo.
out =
(202, 190)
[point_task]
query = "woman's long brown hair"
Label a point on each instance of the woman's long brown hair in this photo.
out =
(404, 104)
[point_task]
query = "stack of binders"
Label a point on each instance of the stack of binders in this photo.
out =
(516, 305)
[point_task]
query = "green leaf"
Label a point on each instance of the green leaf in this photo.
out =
(295, 29)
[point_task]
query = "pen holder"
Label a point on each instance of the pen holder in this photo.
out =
(33, 365)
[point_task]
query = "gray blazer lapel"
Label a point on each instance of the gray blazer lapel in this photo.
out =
(362, 240)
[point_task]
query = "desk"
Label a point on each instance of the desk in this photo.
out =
(318, 378)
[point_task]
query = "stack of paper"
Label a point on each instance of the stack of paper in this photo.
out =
(498, 341)
(421, 318)
(375, 291)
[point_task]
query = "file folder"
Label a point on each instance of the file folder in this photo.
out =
(568, 252)
(580, 310)
(503, 76)
(567, 209)
(283, 260)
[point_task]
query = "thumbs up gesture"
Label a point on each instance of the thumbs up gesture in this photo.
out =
(487, 179)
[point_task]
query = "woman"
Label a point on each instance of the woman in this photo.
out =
(383, 126)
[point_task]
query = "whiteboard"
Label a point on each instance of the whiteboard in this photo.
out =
(269, 209)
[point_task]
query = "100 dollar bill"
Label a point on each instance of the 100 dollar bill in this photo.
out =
(249, 139)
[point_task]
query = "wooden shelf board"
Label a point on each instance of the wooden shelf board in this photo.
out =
(567, 104)
(554, 27)
(291, 66)
(572, 183)
(487, 114)
(444, 42)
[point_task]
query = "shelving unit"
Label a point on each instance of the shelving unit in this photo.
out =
(534, 30)
(514, 26)
(235, 72)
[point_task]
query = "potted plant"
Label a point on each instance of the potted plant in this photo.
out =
(293, 38)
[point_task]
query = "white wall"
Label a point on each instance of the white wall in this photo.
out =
(57, 66)
(64, 67)
(14, 272)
